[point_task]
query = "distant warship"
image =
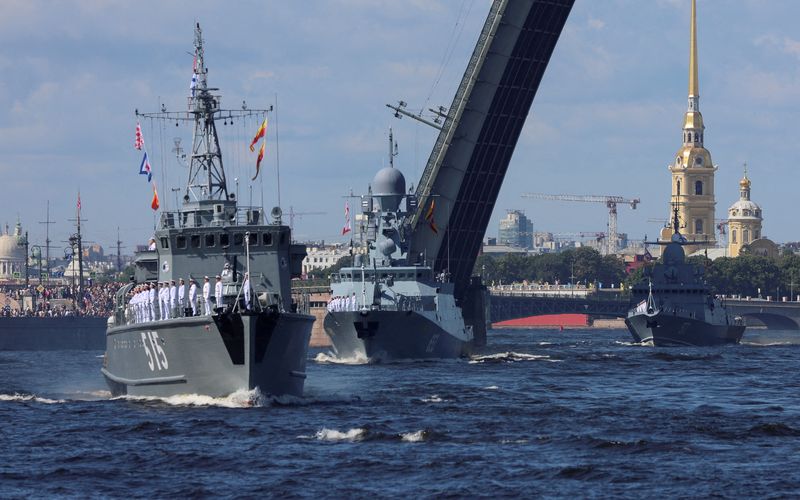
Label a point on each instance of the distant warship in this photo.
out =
(390, 305)
(254, 336)
(675, 307)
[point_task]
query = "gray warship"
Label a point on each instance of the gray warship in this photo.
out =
(675, 307)
(390, 305)
(254, 336)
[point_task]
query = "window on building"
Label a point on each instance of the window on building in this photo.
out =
(180, 242)
(698, 187)
(224, 240)
(238, 239)
(678, 187)
(698, 226)
(164, 242)
(733, 236)
(267, 238)
(756, 234)
(210, 240)
(195, 241)
(745, 236)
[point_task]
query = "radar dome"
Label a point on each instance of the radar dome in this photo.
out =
(673, 254)
(389, 181)
(387, 247)
(389, 186)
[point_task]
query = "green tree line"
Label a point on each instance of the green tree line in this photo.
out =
(744, 275)
(581, 265)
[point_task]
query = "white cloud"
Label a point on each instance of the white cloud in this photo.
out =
(597, 24)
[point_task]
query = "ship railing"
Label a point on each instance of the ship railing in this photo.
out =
(243, 216)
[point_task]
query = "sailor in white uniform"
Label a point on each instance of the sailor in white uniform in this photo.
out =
(207, 296)
(193, 296)
(173, 300)
(218, 292)
(182, 298)
(164, 300)
(151, 297)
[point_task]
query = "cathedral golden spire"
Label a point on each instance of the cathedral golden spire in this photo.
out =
(693, 171)
(694, 86)
(693, 122)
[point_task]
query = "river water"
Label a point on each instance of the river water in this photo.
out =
(578, 413)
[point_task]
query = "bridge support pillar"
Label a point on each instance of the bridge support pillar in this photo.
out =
(475, 309)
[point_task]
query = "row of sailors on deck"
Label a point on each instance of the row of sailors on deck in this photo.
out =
(166, 300)
(337, 304)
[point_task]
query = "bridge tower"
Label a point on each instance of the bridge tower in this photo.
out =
(465, 170)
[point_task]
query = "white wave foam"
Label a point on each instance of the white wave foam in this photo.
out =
(239, 399)
(16, 397)
(434, 398)
(769, 344)
(413, 437)
(491, 388)
(333, 435)
(649, 343)
(330, 358)
(510, 356)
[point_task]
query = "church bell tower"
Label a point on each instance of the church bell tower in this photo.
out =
(692, 171)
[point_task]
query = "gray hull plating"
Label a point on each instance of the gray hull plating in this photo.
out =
(209, 355)
(379, 336)
(668, 330)
(53, 334)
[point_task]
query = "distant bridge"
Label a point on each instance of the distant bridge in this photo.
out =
(507, 304)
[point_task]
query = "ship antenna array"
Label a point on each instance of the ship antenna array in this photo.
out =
(206, 178)
(400, 111)
(119, 246)
(47, 242)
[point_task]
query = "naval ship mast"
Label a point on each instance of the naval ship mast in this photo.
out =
(206, 183)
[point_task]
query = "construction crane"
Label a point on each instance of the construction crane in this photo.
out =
(299, 215)
(610, 203)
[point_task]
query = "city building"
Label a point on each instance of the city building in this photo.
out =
(692, 170)
(323, 256)
(516, 230)
(12, 253)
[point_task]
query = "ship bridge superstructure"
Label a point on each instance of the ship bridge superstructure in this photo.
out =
(462, 179)
(210, 231)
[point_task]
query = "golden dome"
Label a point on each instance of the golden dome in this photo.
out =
(745, 182)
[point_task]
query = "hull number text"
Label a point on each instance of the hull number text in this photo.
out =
(156, 357)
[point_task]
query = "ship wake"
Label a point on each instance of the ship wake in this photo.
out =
(330, 358)
(510, 357)
(29, 398)
(239, 399)
(361, 434)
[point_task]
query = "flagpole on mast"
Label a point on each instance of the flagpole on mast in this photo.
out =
(80, 255)
(277, 152)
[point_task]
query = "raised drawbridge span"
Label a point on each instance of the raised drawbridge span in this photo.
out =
(463, 176)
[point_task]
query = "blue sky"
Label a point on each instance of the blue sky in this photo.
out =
(606, 119)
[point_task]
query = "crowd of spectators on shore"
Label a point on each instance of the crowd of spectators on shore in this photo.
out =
(97, 300)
